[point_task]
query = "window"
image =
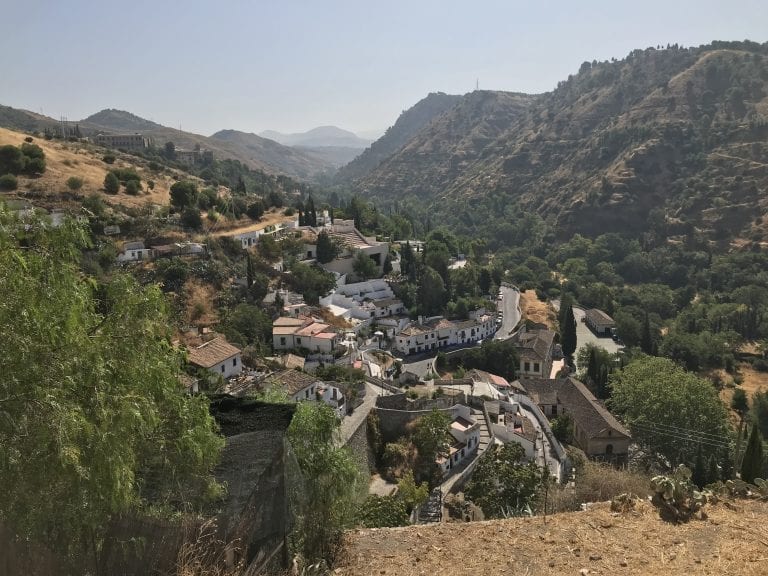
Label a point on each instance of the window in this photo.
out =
(298, 341)
(234, 361)
(609, 449)
(527, 367)
(222, 368)
(536, 367)
(282, 341)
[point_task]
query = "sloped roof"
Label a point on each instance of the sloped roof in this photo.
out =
(597, 316)
(535, 344)
(292, 381)
(586, 410)
(212, 353)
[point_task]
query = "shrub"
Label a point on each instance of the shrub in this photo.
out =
(676, 496)
(8, 182)
(28, 139)
(132, 187)
(111, 183)
(191, 218)
(760, 365)
(74, 183)
(109, 158)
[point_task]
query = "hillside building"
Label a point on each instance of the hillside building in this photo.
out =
(128, 142)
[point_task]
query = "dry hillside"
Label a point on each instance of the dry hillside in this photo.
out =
(733, 540)
(67, 159)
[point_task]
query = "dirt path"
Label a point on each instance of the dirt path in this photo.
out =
(733, 542)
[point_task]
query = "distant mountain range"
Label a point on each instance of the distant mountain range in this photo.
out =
(671, 139)
(321, 137)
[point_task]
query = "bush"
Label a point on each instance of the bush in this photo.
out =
(111, 183)
(132, 187)
(74, 183)
(8, 182)
(28, 139)
(760, 365)
(191, 218)
(109, 158)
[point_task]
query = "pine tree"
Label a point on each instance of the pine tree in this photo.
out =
(311, 215)
(752, 464)
(568, 333)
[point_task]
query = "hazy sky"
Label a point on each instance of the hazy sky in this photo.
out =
(291, 65)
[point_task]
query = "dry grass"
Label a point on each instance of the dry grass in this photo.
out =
(274, 216)
(66, 159)
(731, 541)
(537, 311)
(200, 298)
(596, 482)
(753, 381)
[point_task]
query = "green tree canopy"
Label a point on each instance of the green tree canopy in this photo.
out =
(364, 267)
(432, 293)
(327, 249)
(93, 421)
(328, 496)
(183, 194)
(431, 438)
(669, 411)
(502, 485)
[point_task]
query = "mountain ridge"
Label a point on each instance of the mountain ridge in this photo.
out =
(319, 137)
(680, 131)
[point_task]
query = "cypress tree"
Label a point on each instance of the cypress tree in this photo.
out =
(726, 466)
(699, 476)
(752, 464)
(249, 271)
(713, 473)
(568, 333)
(646, 342)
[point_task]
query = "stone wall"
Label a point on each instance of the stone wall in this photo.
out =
(358, 444)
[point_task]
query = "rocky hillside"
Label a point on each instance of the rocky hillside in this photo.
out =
(668, 137)
(730, 541)
(253, 151)
(409, 123)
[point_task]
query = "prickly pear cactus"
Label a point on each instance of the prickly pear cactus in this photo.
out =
(676, 497)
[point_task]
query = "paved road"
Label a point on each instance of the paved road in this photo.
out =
(510, 305)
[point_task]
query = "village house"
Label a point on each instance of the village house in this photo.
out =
(510, 424)
(134, 252)
(302, 387)
(350, 241)
(218, 357)
(250, 237)
(534, 350)
(599, 322)
(437, 333)
(465, 431)
(302, 332)
(595, 430)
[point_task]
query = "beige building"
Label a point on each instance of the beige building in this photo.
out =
(595, 430)
(129, 142)
(534, 350)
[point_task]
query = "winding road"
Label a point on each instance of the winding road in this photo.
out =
(510, 306)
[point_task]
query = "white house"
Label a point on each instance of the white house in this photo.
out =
(465, 431)
(437, 333)
(303, 332)
(302, 387)
(218, 357)
(351, 241)
(134, 252)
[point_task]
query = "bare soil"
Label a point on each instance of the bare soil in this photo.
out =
(537, 311)
(733, 540)
(66, 159)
